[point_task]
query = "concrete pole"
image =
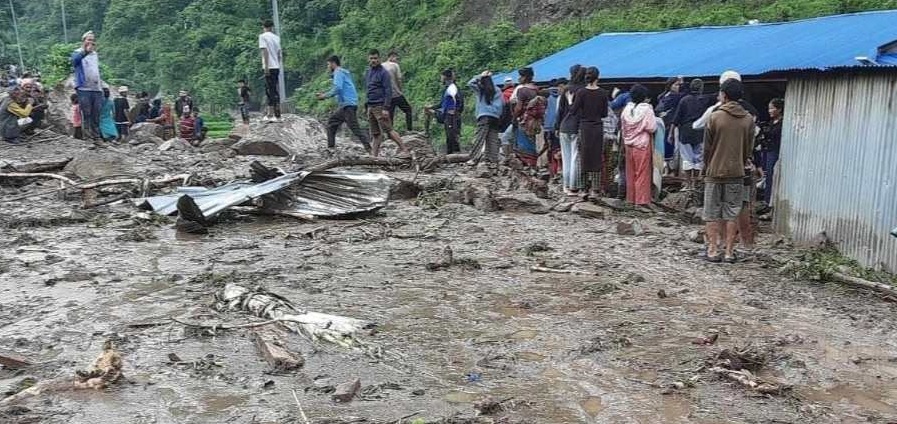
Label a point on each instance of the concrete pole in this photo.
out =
(281, 86)
(65, 27)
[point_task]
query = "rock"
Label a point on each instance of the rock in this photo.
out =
(417, 143)
(820, 241)
(147, 129)
(590, 210)
(694, 215)
(662, 294)
(346, 392)
(633, 228)
(482, 170)
(696, 236)
(403, 189)
(294, 135)
(13, 361)
(523, 202)
(216, 145)
(278, 357)
(680, 200)
(613, 203)
(145, 139)
(476, 195)
(99, 163)
(175, 144)
(563, 206)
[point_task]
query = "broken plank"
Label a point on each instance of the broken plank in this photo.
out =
(271, 348)
(13, 361)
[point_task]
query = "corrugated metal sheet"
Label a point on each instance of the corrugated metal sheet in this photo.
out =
(838, 165)
(818, 43)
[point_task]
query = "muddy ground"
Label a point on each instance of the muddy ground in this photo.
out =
(612, 344)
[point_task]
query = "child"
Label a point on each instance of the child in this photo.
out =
(76, 117)
(199, 126)
(243, 91)
(187, 126)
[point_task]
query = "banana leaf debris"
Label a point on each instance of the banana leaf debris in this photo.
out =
(302, 194)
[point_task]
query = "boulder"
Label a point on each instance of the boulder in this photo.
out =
(590, 210)
(476, 195)
(633, 228)
(293, 135)
(216, 145)
(175, 144)
(99, 163)
(522, 202)
(147, 129)
(695, 236)
(563, 206)
(144, 138)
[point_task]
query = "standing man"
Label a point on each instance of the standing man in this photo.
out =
(728, 143)
(272, 62)
(398, 87)
(88, 84)
(347, 104)
(379, 98)
(121, 109)
(451, 112)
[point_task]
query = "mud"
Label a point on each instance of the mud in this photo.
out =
(598, 347)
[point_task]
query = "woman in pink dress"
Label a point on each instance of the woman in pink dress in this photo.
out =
(638, 126)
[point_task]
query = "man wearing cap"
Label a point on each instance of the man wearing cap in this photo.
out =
(88, 84)
(183, 101)
(121, 108)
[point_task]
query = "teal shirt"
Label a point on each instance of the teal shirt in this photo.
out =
(343, 88)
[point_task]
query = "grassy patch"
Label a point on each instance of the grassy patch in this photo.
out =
(821, 264)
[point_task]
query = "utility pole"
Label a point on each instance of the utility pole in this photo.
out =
(15, 26)
(65, 28)
(281, 86)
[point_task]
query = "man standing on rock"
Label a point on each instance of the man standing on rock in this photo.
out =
(88, 84)
(347, 104)
(728, 143)
(272, 62)
(379, 98)
(398, 86)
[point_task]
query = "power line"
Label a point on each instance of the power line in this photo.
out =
(15, 26)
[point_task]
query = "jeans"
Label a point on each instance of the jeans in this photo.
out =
(769, 164)
(452, 133)
(91, 102)
(401, 103)
(349, 116)
(272, 90)
(570, 174)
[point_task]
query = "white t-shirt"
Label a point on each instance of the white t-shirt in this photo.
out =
(271, 42)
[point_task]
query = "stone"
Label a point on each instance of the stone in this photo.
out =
(175, 144)
(696, 236)
(100, 163)
(522, 202)
(216, 145)
(694, 215)
(563, 206)
(135, 140)
(403, 189)
(590, 210)
(293, 135)
(147, 129)
(346, 392)
(476, 195)
(271, 347)
(633, 228)
(613, 203)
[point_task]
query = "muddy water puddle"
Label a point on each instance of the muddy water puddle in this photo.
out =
(568, 349)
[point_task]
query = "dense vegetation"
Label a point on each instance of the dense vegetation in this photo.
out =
(206, 45)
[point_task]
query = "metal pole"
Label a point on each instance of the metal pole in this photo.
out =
(281, 86)
(65, 28)
(15, 26)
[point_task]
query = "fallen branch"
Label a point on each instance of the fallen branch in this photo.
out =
(215, 327)
(445, 159)
(362, 161)
(557, 270)
(747, 379)
(38, 175)
(106, 370)
(301, 412)
(314, 326)
(183, 178)
(106, 201)
(859, 282)
(38, 166)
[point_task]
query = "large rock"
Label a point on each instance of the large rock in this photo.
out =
(294, 135)
(147, 129)
(524, 202)
(216, 145)
(99, 163)
(476, 195)
(590, 210)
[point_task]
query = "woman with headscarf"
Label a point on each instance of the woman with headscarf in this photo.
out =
(489, 105)
(638, 126)
(569, 132)
(591, 105)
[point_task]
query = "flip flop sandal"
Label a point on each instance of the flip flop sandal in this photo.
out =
(714, 259)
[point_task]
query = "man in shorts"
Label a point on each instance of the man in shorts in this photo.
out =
(379, 97)
(728, 143)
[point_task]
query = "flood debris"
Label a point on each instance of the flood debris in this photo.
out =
(447, 259)
(347, 391)
(490, 406)
(272, 348)
(741, 365)
(105, 371)
(314, 326)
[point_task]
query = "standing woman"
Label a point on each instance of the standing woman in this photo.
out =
(490, 103)
(569, 132)
(591, 105)
(667, 103)
(107, 118)
(772, 144)
(638, 124)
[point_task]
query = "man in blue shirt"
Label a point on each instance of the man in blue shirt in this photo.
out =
(347, 104)
(379, 97)
(88, 84)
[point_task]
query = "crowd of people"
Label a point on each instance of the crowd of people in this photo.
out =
(24, 107)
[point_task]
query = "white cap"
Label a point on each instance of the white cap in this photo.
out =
(509, 80)
(729, 75)
(123, 89)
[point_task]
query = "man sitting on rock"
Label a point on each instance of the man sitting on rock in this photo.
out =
(188, 126)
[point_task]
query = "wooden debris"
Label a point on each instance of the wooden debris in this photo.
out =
(346, 392)
(558, 271)
(866, 284)
(749, 380)
(13, 361)
(271, 347)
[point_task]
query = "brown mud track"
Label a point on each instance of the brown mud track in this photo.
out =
(597, 347)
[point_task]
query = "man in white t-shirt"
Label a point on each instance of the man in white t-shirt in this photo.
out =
(272, 60)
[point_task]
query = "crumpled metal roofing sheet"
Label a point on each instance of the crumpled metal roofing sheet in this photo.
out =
(817, 43)
(322, 194)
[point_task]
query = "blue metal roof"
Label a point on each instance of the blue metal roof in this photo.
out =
(818, 43)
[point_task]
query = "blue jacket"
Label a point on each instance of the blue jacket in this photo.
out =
(450, 97)
(551, 111)
(78, 63)
(343, 88)
(379, 86)
(621, 101)
(493, 109)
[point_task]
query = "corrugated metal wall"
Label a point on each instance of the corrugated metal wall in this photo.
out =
(838, 165)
